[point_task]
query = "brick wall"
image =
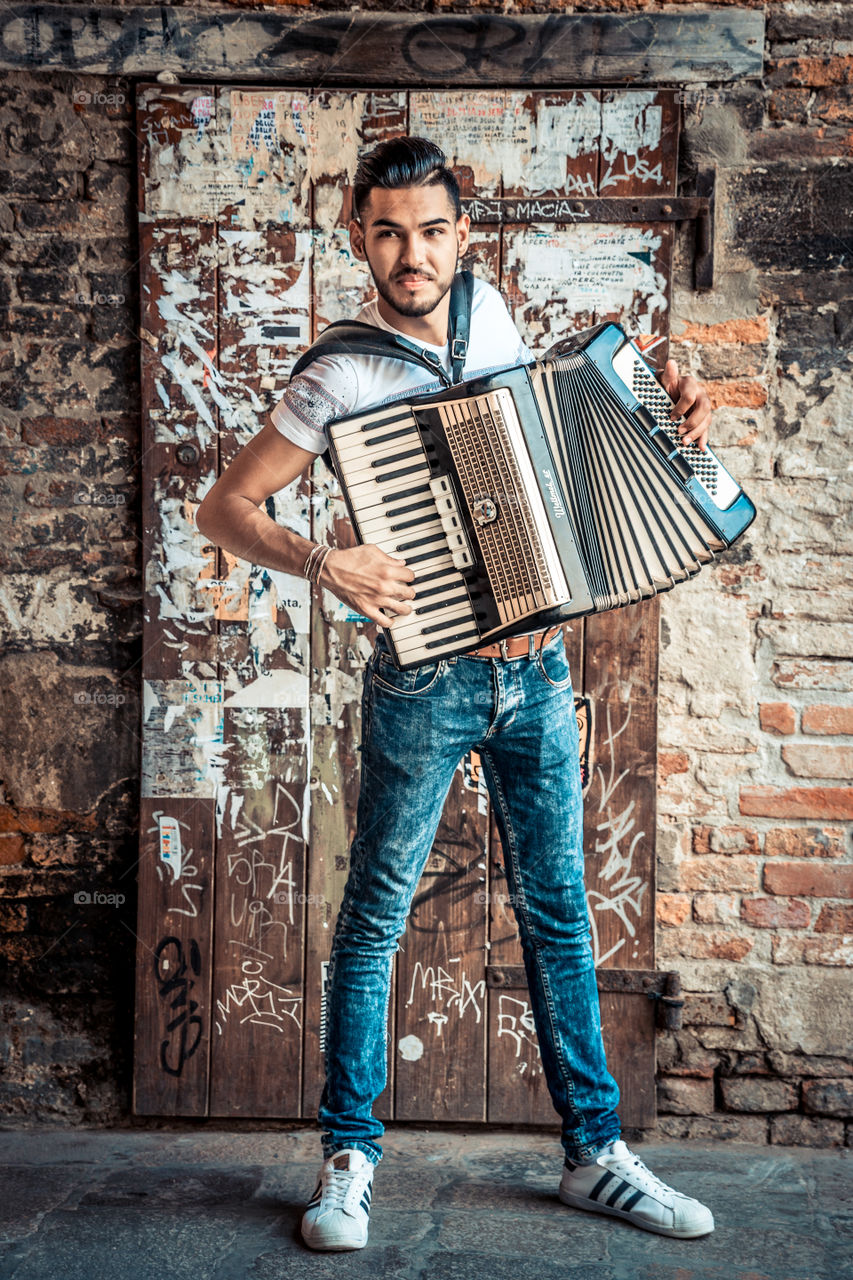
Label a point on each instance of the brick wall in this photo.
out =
(755, 902)
(755, 880)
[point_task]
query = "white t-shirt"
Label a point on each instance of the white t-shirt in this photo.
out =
(339, 384)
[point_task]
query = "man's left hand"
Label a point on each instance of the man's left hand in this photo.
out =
(691, 399)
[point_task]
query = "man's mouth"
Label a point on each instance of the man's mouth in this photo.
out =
(412, 281)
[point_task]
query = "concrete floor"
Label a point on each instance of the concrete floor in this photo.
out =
(471, 1204)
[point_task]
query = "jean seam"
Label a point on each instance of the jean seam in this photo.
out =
(546, 986)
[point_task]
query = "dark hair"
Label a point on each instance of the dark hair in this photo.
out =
(404, 162)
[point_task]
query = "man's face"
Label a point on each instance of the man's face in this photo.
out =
(411, 241)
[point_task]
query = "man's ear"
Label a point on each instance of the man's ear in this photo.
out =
(463, 228)
(356, 239)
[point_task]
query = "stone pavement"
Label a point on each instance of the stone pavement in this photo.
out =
(461, 1203)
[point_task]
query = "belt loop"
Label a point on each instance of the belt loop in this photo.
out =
(531, 648)
(503, 649)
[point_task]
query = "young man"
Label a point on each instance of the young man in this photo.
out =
(514, 705)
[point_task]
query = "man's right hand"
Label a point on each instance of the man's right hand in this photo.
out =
(370, 581)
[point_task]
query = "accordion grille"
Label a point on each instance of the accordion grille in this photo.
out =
(491, 460)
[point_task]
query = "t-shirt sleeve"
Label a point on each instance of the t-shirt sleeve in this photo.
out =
(327, 389)
(505, 330)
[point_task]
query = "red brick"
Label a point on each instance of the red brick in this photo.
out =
(823, 718)
(817, 760)
(699, 944)
(712, 1010)
(715, 908)
(812, 673)
(754, 1093)
(13, 917)
(797, 802)
(828, 1097)
(776, 913)
(12, 850)
(804, 842)
(828, 950)
(719, 874)
(725, 840)
(753, 329)
(813, 71)
(777, 717)
(670, 762)
(685, 1097)
(834, 919)
(672, 908)
(804, 1131)
(809, 879)
(736, 395)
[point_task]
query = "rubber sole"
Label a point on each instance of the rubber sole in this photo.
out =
(583, 1202)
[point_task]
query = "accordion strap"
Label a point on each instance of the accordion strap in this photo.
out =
(354, 337)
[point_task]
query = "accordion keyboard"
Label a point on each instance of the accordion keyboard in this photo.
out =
(399, 507)
(713, 478)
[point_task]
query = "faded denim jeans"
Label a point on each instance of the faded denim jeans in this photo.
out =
(417, 726)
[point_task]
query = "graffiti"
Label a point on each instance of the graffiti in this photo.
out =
(258, 1001)
(625, 891)
(446, 991)
(515, 1019)
(183, 1032)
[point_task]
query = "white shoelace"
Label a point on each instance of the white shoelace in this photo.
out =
(644, 1174)
(336, 1184)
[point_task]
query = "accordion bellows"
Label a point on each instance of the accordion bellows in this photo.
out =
(534, 495)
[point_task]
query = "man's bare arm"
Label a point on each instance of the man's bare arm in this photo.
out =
(367, 579)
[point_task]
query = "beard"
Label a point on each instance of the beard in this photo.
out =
(413, 306)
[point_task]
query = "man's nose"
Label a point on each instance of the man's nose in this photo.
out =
(412, 252)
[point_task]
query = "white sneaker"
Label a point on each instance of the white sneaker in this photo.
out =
(338, 1212)
(619, 1183)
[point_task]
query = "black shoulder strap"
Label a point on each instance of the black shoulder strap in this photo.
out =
(354, 337)
(461, 295)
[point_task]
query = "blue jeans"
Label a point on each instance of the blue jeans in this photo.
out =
(417, 726)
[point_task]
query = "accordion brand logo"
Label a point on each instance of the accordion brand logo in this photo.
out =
(556, 500)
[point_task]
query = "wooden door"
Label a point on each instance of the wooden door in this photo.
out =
(251, 715)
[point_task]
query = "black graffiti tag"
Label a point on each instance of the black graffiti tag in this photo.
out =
(174, 987)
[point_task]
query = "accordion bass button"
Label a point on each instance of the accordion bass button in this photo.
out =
(484, 510)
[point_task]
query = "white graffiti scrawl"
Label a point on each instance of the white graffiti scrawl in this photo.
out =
(618, 840)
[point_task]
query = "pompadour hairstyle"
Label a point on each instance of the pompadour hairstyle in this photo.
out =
(404, 162)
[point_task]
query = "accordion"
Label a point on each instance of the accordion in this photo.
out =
(534, 495)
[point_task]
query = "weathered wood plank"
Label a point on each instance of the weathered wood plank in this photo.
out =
(672, 46)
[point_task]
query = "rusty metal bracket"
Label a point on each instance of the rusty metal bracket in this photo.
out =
(661, 985)
(698, 208)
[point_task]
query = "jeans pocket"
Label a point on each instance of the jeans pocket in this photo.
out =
(552, 665)
(412, 683)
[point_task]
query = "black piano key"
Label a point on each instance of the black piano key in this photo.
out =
(437, 536)
(441, 604)
(410, 493)
(446, 640)
(440, 626)
(386, 462)
(389, 435)
(395, 475)
(410, 524)
(373, 425)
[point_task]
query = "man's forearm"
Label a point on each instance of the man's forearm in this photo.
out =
(246, 531)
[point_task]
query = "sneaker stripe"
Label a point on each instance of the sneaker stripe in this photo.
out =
(365, 1204)
(601, 1184)
(632, 1200)
(620, 1190)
